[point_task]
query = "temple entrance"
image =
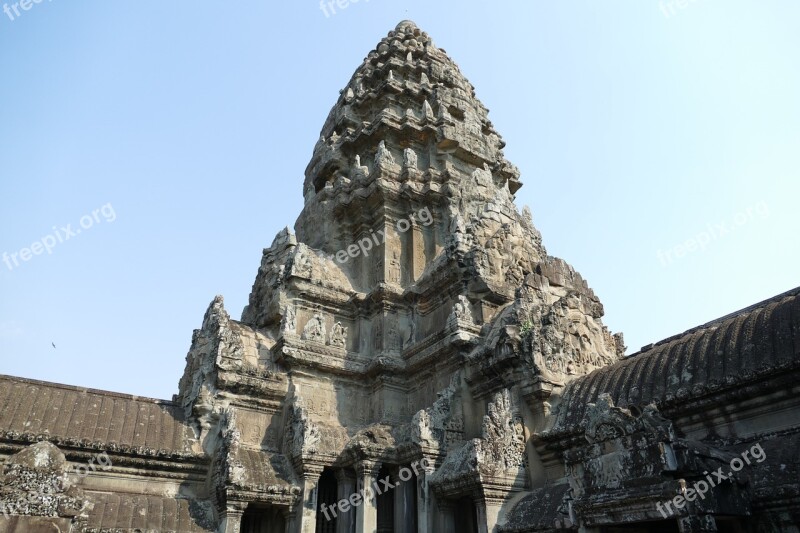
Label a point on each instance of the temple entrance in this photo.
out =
(466, 516)
(326, 494)
(262, 520)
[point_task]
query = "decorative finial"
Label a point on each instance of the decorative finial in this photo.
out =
(427, 110)
(383, 157)
(406, 25)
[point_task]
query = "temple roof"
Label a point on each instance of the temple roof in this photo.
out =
(751, 344)
(75, 415)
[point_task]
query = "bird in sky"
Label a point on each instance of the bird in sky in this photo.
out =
(54, 345)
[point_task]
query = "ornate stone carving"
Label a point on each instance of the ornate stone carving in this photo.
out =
(605, 421)
(338, 335)
(503, 436)
(35, 482)
(383, 157)
(302, 434)
(289, 322)
(302, 265)
(360, 172)
(314, 329)
(462, 310)
(409, 159)
(428, 425)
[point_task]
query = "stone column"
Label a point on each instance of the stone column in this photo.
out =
(417, 251)
(426, 501)
(289, 517)
(404, 502)
(488, 512)
(232, 520)
(480, 508)
(307, 514)
(367, 512)
(447, 518)
(345, 522)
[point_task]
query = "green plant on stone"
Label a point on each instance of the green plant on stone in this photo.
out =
(526, 328)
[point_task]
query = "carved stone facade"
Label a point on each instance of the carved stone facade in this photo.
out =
(412, 360)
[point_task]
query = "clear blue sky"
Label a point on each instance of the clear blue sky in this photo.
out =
(634, 132)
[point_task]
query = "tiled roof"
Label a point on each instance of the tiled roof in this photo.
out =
(751, 344)
(73, 414)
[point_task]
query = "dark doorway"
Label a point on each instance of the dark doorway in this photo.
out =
(385, 505)
(262, 520)
(405, 509)
(326, 494)
(466, 516)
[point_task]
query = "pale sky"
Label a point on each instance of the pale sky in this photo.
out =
(659, 150)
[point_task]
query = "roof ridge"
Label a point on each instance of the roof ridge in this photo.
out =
(52, 384)
(721, 320)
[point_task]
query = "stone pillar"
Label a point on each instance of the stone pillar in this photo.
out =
(232, 520)
(307, 514)
(367, 512)
(404, 503)
(345, 522)
(426, 500)
(447, 517)
(488, 510)
(417, 251)
(289, 520)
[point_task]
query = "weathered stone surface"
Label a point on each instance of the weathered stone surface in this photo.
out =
(413, 329)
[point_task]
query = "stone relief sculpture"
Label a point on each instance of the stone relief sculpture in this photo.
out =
(360, 172)
(409, 159)
(289, 323)
(383, 157)
(503, 434)
(462, 310)
(302, 434)
(314, 329)
(338, 335)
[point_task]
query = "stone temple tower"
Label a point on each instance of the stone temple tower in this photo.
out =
(412, 361)
(413, 318)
